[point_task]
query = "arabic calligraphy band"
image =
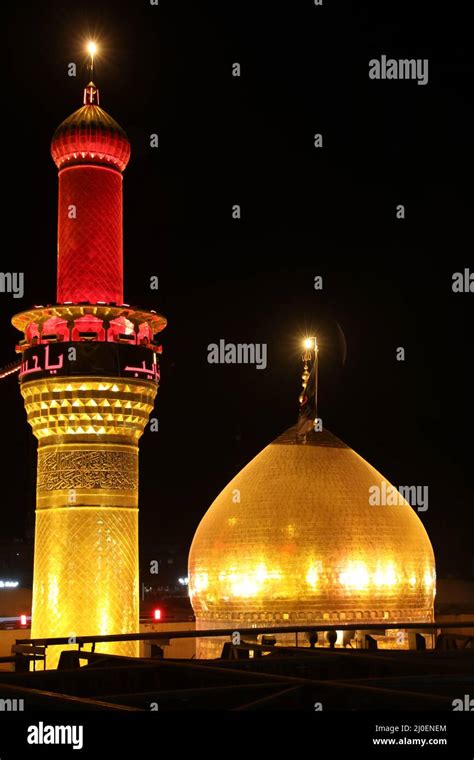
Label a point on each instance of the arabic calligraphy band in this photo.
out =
(89, 360)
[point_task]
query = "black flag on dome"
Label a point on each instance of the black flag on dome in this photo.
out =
(308, 409)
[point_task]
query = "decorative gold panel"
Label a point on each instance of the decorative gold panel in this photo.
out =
(60, 468)
(86, 474)
(89, 408)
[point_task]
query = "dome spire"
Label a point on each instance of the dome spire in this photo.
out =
(308, 398)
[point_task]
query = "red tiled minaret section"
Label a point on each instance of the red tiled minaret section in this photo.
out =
(90, 150)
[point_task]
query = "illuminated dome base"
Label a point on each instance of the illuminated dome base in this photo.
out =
(293, 539)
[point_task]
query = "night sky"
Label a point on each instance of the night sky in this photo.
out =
(305, 212)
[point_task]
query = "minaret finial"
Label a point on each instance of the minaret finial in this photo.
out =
(91, 93)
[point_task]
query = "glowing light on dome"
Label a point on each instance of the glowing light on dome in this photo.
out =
(244, 586)
(312, 576)
(385, 575)
(355, 576)
(201, 581)
(428, 578)
(247, 583)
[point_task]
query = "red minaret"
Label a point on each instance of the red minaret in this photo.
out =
(91, 151)
(89, 376)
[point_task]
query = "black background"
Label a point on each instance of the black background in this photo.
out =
(305, 212)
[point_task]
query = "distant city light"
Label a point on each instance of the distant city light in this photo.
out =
(157, 614)
(8, 584)
(22, 619)
(183, 581)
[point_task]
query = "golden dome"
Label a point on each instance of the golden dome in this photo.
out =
(294, 539)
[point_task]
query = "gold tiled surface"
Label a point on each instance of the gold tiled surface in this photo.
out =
(86, 407)
(293, 539)
(86, 574)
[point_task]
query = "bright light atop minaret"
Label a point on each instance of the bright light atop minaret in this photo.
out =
(92, 48)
